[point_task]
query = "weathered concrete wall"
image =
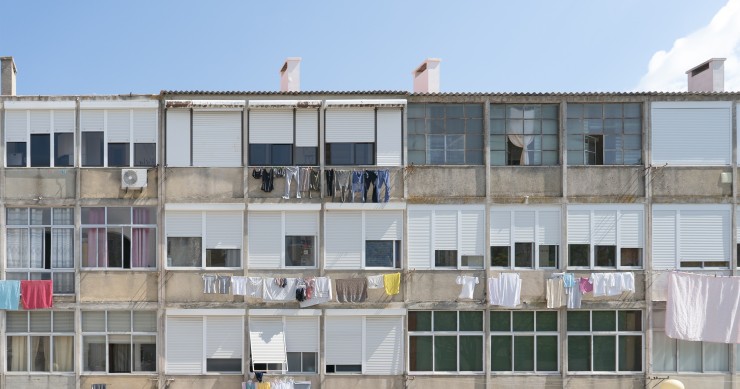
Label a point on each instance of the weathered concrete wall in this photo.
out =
(47, 183)
(702, 381)
(366, 382)
(206, 382)
(39, 381)
(373, 295)
(619, 183)
(104, 286)
(105, 183)
(113, 381)
(203, 184)
(534, 181)
(187, 287)
(440, 286)
(611, 382)
(442, 382)
(526, 381)
(428, 184)
(680, 184)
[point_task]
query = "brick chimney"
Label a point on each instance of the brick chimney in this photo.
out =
(708, 77)
(426, 76)
(7, 76)
(290, 75)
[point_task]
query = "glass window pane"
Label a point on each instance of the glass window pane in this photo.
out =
(548, 256)
(420, 353)
(420, 320)
(500, 321)
(632, 126)
(445, 353)
(524, 254)
(603, 320)
(119, 321)
(471, 353)
(547, 353)
(258, 154)
(40, 353)
(471, 321)
(633, 110)
(281, 155)
(630, 353)
(547, 321)
(40, 150)
(523, 321)
(550, 111)
(364, 154)
(145, 154)
(64, 351)
(473, 110)
(416, 110)
(93, 353)
(417, 142)
(119, 353)
(300, 251)
(16, 154)
(185, 252)
(17, 353)
(630, 320)
(716, 357)
(445, 321)
(445, 258)
(578, 321)
(145, 321)
(690, 355)
(93, 321)
(17, 216)
(604, 353)
(339, 153)
(64, 321)
(613, 110)
(592, 110)
(664, 352)
(606, 256)
(524, 353)
(579, 352)
(309, 362)
(223, 257)
(40, 322)
(40, 216)
(578, 254)
(501, 358)
(379, 253)
(118, 154)
(63, 216)
(145, 353)
(119, 215)
(306, 155)
(498, 126)
(16, 322)
(500, 256)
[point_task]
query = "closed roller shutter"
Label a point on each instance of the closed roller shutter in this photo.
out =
(664, 239)
(445, 230)
(471, 233)
(605, 228)
(500, 228)
(420, 239)
(704, 235)
(301, 223)
(40, 121)
(184, 223)
(92, 120)
(383, 345)
(267, 339)
(350, 125)
(383, 225)
(224, 230)
(184, 357)
(524, 226)
(64, 120)
(630, 229)
(579, 227)
(265, 233)
(178, 138)
(307, 128)
(145, 126)
(271, 126)
(217, 140)
(343, 243)
(343, 340)
(389, 137)
(119, 125)
(224, 337)
(16, 126)
(302, 334)
(548, 227)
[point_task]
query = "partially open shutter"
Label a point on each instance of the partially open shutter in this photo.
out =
(500, 228)
(605, 228)
(350, 125)
(307, 128)
(420, 239)
(184, 223)
(119, 125)
(16, 126)
(302, 334)
(664, 239)
(343, 340)
(145, 126)
(178, 138)
(184, 357)
(343, 240)
(548, 227)
(704, 235)
(271, 126)
(40, 121)
(224, 337)
(579, 227)
(265, 233)
(383, 345)
(224, 230)
(524, 226)
(389, 136)
(471, 233)
(383, 225)
(445, 230)
(267, 339)
(217, 139)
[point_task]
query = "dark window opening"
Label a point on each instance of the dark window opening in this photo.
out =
(145, 154)
(64, 145)
(579, 254)
(523, 254)
(594, 149)
(500, 256)
(606, 256)
(270, 155)
(40, 146)
(350, 153)
(92, 148)
(118, 154)
(445, 258)
(16, 154)
(300, 251)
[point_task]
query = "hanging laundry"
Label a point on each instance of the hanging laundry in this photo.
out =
(574, 296)
(267, 180)
(468, 286)
(321, 292)
(555, 293)
(37, 294)
(342, 179)
(209, 283)
(585, 285)
(239, 285)
(370, 178)
(263, 385)
(628, 282)
(384, 178)
(10, 293)
(315, 181)
(612, 284)
(375, 282)
(249, 385)
(304, 184)
(329, 174)
(257, 173)
(351, 290)
(703, 308)
(223, 284)
(292, 174)
(569, 280)
(254, 287)
(358, 185)
(274, 292)
(300, 290)
(505, 290)
(392, 283)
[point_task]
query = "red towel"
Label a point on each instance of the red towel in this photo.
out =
(36, 294)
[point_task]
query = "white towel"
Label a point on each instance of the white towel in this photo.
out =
(273, 292)
(555, 293)
(505, 290)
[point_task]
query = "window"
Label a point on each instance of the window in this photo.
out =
(277, 340)
(295, 231)
(445, 341)
(270, 155)
(606, 341)
(204, 239)
(363, 239)
(672, 355)
(446, 237)
(40, 246)
(119, 237)
(370, 345)
(350, 153)
(40, 137)
(118, 136)
(524, 341)
(691, 237)
(363, 135)
(119, 341)
(284, 136)
(604, 134)
(214, 345)
(524, 134)
(445, 134)
(525, 238)
(607, 236)
(40, 341)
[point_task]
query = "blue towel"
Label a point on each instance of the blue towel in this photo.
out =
(10, 293)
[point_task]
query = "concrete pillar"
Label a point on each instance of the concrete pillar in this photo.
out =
(7, 77)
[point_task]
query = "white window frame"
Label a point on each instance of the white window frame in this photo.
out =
(536, 241)
(362, 249)
(307, 106)
(658, 319)
(50, 334)
(285, 315)
(534, 334)
(285, 214)
(132, 226)
(618, 209)
(52, 109)
(616, 333)
(107, 333)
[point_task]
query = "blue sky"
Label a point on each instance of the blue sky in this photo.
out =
(106, 47)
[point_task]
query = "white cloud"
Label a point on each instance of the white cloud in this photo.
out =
(719, 39)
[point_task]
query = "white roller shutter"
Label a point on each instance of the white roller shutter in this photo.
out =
(604, 228)
(301, 223)
(265, 231)
(630, 229)
(145, 125)
(64, 120)
(40, 121)
(343, 340)
(16, 126)
(383, 225)
(579, 227)
(302, 334)
(445, 230)
(500, 228)
(664, 239)
(383, 345)
(217, 139)
(184, 347)
(178, 138)
(307, 128)
(390, 134)
(267, 339)
(471, 233)
(184, 223)
(224, 230)
(119, 125)
(271, 126)
(692, 133)
(343, 240)
(350, 125)
(224, 337)
(548, 227)
(420, 239)
(92, 120)
(524, 225)
(704, 235)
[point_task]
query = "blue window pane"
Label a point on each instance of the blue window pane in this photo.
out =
(40, 146)
(16, 154)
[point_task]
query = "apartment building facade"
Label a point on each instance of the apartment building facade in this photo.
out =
(479, 185)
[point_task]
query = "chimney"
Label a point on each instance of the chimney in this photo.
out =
(7, 76)
(708, 77)
(290, 75)
(426, 76)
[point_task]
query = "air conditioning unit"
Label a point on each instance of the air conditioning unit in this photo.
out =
(133, 178)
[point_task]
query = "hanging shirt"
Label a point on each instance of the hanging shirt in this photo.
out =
(321, 292)
(555, 293)
(263, 385)
(239, 286)
(37, 294)
(505, 290)
(568, 280)
(209, 283)
(274, 292)
(628, 282)
(254, 287)
(600, 282)
(392, 283)
(574, 296)
(10, 293)
(223, 284)
(375, 282)
(468, 286)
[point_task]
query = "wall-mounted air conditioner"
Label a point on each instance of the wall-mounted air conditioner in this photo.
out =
(133, 178)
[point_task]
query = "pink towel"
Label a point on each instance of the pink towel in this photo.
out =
(37, 294)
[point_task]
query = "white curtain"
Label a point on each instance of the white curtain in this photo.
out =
(63, 353)
(19, 354)
(524, 141)
(37, 248)
(40, 353)
(17, 248)
(62, 243)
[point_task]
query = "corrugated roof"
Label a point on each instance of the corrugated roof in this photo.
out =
(279, 93)
(443, 94)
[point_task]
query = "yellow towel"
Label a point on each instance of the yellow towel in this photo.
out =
(392, 283)
(263, 385)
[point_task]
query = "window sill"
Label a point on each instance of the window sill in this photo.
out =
(41, 373)
(205, 269)
(118, 270)
(446, 373)
(101, 373)
(604, 373)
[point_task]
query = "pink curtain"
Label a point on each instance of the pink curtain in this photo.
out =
(141, 239)
(97, 254)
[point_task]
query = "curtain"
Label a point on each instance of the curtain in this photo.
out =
(17, 248)
(18, 355)
(96, 240)
(523, 141)
(142, 253)
(37, 248)
(63, 353)
(40, 353)
(62, 243)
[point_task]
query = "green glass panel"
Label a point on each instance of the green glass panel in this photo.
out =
(574, 110)
(445, 321)
(420, 353)
(579, 353)
(630, 353)
(547, 353)
(578, 321)
(605, 353)
(501, 353)
(524, 353)
(630, 320)
(471, 321)
(603, 320)
(420, 321)
(500, 321)
(547, 321)
(445, 353)
(523, 321)
(550, 111)
(471, 353)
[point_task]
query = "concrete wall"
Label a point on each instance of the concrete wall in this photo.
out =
(619, 183)
(366, 382)
(204, 184)
(39, 381)
(104, 286)
(679, 184)
(206, 382)
(533, 181)
(606, 382)
(47, 183)
(440, 286)
(429, 183)
(105, 183)
(442, 382)
(119, 381)
(187, 287)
